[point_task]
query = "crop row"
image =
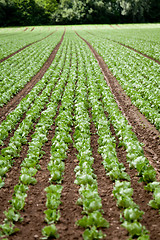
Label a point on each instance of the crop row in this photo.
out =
(20, 135)
(30, 165)
(89, 197)
(127, 138)
(60, 142)
(146, 42)
(137, 75)
(19, 69)
(11, 42)
(114, 169)
(14, 117)
(75, 80)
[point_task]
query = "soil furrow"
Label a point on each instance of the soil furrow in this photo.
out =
(6, 141)
(105, 188)
(33, 214)
(11, 180)
(144, 55)
(144, 130)
(151, 217)
(27, 88)
(12, 176)
(19, 50)
(70, 212)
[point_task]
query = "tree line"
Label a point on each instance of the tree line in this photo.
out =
(41, 12)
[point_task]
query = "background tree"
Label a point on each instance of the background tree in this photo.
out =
(153, 15)
(134, 9)
(38, 12)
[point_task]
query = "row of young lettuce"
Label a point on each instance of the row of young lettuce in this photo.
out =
(138, 75)
(13, 39)
(73, 84)
(25, 64)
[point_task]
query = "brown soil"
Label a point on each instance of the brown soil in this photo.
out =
(151, 218)
(33, 216)
(12, 176)
(3, 59)
(105, 188)
(27, 88)
(70, 211)
(25, 29)
(144, 55)
(144, 130)
(32, 29)
(6, 141)
(11, 180)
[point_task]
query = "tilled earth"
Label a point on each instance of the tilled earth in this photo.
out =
(33, 214)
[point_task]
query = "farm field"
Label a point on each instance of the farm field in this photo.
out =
(80, 132)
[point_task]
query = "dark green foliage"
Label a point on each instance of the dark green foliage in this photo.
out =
(22, 13)
(39, 12)
(154, 13)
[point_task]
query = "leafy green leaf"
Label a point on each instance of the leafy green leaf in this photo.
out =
(153, 204)
(52, 201)
(13, 215)
(134, 229)
(91, 205)
(50, 231)
(27, 180)
(132, 214)
(149, 175)
(125, 202)
(55, 176)
(55, 189)
(20, 188)
(93, 233)
(1, 182)
(152, 186)
(51, 216)
(18, 202)
(8, 229)
(85, 179)
(93, 219)
(144, 237)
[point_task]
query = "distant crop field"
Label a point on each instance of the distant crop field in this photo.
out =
(80, 132)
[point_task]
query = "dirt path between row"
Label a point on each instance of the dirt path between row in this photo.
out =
(33, 213)
(3, 59)
(105, 188)
(144, 130)
(12, 176)
(144, 55)
(27, 88)
(151, 217)
(70, 211)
